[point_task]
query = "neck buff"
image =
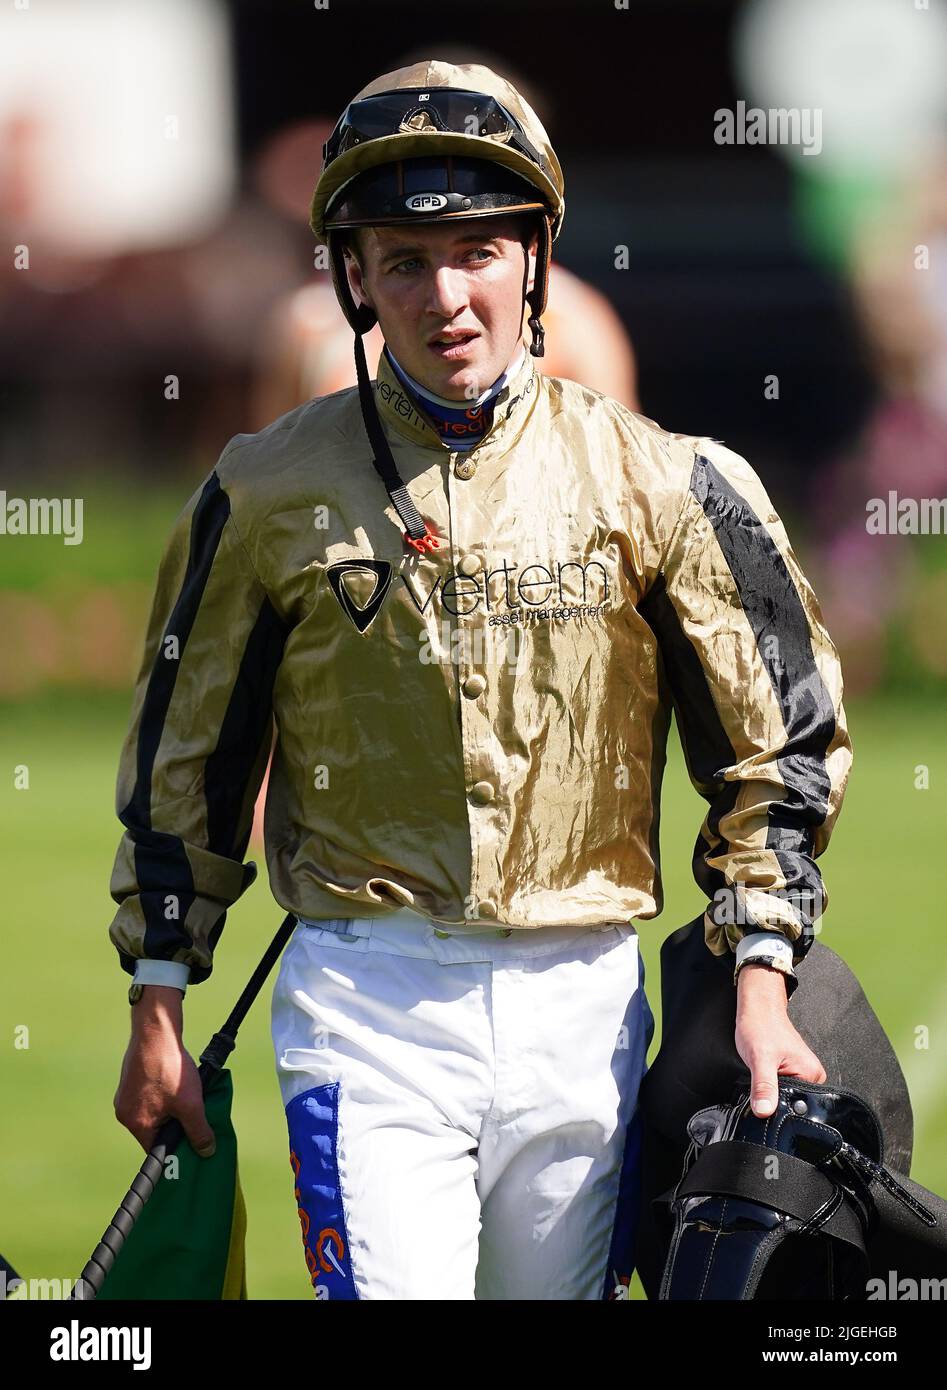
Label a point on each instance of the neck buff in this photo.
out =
(461, 424)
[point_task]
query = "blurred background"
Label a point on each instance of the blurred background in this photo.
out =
(160, 292)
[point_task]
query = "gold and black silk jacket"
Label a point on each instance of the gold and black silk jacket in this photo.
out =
(477, 733)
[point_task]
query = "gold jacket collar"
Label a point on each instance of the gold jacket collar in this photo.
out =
(512, 407)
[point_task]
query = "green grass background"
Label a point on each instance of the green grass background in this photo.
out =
(65, 1161)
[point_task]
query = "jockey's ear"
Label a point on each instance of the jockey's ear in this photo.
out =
(532, 249)
(522, 227)
(356, 260)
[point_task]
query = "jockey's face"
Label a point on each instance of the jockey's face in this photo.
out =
(459, 281)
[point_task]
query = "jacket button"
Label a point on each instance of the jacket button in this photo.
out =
(482, 793)
(487, 908)
(469, 564)
(465, 468)
(474, 685)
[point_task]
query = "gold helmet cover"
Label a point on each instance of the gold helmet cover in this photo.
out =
(433, 132)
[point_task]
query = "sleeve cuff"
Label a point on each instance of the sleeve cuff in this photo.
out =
(765, 943)
(162, 972)
(772, 946)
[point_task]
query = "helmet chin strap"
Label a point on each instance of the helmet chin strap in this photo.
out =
(537, 300)
(417, 533)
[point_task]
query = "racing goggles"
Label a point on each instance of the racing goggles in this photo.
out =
(414, 110)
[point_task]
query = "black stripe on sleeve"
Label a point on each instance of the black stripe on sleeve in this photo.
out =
(775, 613)
(162, 870)
(778, 620)
(161, 864)
(247, 723)
(207, 525)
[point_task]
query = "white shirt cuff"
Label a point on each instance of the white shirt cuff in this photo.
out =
(765, 943)
(163, 972)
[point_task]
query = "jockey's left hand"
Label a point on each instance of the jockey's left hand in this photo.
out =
(767, 1040)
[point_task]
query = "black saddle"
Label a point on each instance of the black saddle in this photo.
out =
(812, 1202)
